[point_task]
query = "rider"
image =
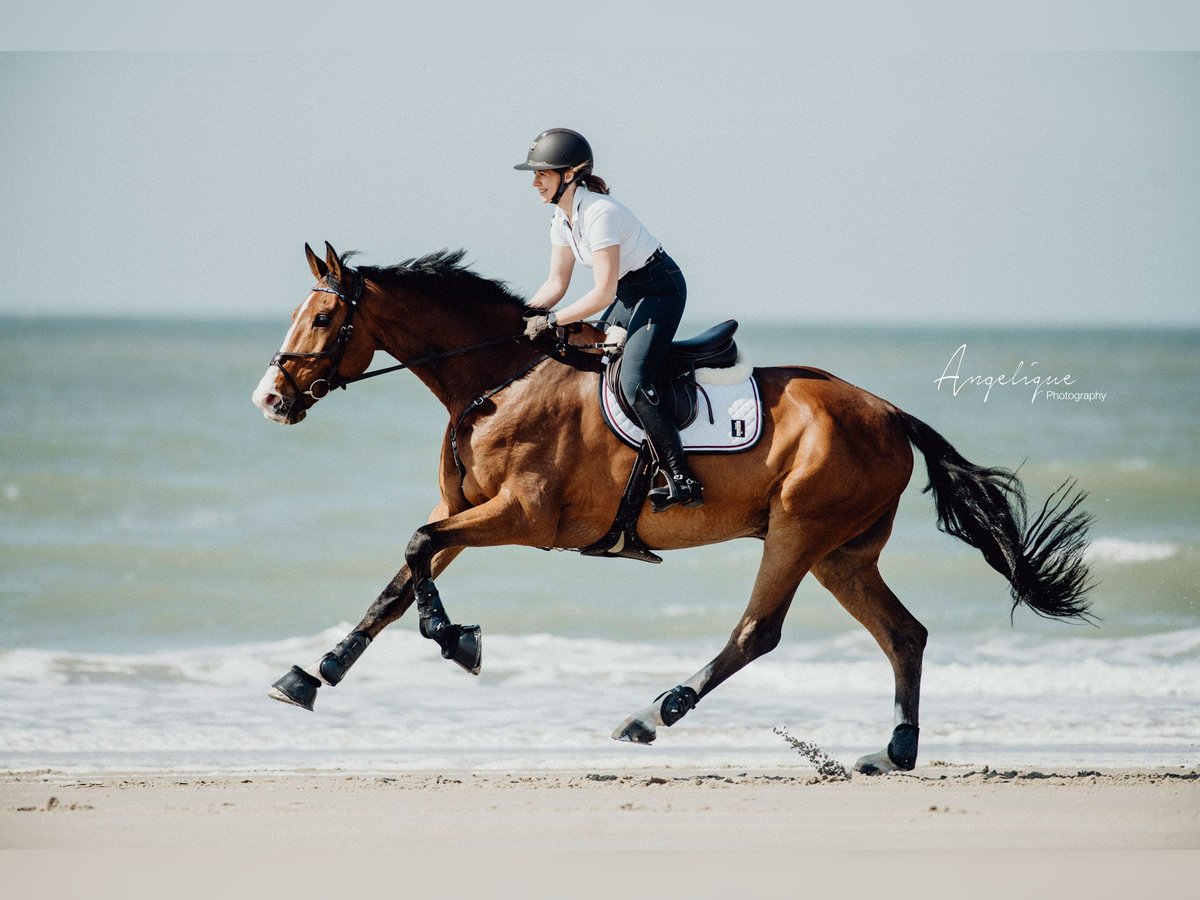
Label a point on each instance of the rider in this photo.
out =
(641, 286)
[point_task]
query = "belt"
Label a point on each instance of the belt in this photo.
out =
(656, 257)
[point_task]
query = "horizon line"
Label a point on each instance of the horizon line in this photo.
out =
(751, 321)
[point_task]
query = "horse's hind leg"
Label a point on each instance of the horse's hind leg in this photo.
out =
(785, 561)
(851, 574)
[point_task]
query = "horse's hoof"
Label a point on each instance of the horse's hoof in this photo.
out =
(468, 650)
(875, 764)
(297, 687)
(902, 748)
(635, 730)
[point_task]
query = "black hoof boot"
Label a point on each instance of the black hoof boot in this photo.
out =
(461, 643)
(334, 665)
(676, 703)
(468, 648)
(297, 687)
(902, 749)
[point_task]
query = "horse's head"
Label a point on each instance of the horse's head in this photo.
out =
(325, 345)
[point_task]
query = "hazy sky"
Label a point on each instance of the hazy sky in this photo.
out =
(1017, 188)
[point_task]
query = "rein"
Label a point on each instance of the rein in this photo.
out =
(432, 357)
(334, 379)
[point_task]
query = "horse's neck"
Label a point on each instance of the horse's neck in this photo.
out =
(460, 379)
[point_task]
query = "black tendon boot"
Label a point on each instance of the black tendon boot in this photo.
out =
(682, 486)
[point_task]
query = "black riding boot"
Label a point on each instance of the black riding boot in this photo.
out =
(682, 486)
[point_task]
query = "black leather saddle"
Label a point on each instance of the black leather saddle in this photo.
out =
(676, 383)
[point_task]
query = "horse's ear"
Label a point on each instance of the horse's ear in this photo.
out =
(319, 269)
(331, 260)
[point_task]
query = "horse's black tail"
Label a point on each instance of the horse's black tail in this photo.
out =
(1043, 559)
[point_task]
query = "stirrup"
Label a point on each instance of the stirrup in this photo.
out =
(679, 488)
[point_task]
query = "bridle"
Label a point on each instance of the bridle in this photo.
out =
(334, 379)
(335, 353)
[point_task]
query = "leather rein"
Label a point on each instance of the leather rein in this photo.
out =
(334, 354)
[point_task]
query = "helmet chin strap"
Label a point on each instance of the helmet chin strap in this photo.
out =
(563, 184)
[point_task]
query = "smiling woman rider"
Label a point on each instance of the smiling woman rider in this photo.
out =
(638, 285)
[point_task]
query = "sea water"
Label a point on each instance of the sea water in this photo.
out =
(166, 554)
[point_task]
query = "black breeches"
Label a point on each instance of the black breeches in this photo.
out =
(649, 306)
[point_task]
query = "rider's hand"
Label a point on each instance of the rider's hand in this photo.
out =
(536, 325)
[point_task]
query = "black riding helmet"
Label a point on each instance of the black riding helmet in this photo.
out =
(560, 150)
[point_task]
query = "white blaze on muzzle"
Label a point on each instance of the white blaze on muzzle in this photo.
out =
(268, 396)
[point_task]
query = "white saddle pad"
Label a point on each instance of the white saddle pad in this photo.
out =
(736, 417)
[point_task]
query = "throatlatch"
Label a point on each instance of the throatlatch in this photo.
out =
(461, 643)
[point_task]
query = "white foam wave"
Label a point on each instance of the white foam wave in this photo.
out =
(545, 701)
(1118, 550)
(848, 661)
(1134, 464)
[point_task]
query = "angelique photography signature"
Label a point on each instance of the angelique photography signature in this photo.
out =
(1041, 384)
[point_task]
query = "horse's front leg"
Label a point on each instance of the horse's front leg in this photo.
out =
(499, 521)
(431, 549)
(299, 686)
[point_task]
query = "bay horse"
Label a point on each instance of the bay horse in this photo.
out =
(527, 460)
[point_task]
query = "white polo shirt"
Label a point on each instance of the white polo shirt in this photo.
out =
(599, 222)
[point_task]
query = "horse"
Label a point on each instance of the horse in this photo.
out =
(527, 460)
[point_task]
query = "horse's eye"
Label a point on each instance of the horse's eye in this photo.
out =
(322, 320)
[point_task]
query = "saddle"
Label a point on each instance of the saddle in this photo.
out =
(676, 381)
(676, 385)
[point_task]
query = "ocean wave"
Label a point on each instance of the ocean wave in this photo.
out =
(850, 660)
(1119, 550)
(547, 701)
(1133, 464)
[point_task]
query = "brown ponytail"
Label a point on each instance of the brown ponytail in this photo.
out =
(595, 184)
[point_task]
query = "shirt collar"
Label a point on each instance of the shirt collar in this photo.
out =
(580, 190)
(576, 201)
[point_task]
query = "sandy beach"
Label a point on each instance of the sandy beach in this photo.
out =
(933, 808)
(1106, 830)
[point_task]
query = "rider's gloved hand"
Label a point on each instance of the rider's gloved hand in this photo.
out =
(536, 325)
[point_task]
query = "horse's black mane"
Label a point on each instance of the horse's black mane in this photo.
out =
(440, 274)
